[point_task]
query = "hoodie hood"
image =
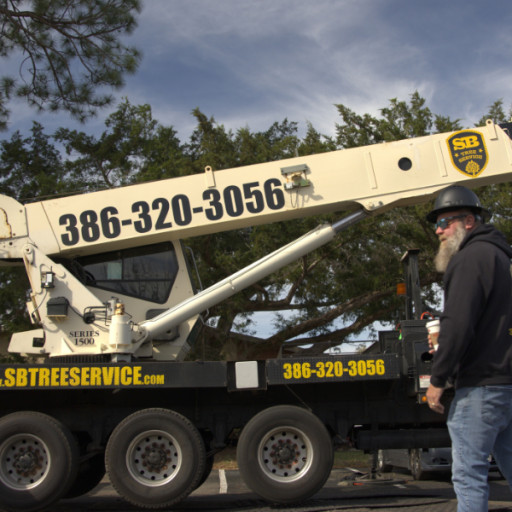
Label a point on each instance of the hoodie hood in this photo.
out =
(488, 233)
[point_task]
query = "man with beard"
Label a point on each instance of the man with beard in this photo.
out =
(475, 343)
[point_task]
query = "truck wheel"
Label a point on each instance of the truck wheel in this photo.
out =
(417, 471)
(285, 454)
(382, 465)
(206, 471)
(155, 458)
(38, 460)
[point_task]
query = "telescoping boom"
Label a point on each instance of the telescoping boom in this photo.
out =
(107, 271)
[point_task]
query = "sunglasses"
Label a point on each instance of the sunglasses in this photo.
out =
(446, 221)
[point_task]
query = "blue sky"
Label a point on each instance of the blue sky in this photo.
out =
(250, 63)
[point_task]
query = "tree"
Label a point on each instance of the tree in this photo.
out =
(328, 295)
(30, 167)
(496, 113)
(399, 121)
(340, 289)
(497, 197)
(68, 51)
(219, 255)
(133, 148)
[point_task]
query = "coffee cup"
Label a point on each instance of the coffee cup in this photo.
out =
(433, 328)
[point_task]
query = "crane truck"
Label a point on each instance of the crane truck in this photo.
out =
(106, 387)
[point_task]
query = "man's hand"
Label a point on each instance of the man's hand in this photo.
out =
(434, 399)
(430, 345)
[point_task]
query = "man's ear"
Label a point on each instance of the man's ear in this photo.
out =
(470, 221)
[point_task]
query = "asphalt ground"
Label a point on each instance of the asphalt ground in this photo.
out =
(346, 490)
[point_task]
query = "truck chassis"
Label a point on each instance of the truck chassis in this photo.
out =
(64, 423)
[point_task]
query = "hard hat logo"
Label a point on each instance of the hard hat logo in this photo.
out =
(468, 152)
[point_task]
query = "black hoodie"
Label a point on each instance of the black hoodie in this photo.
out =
(475, 341)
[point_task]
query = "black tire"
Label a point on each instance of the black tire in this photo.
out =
(38, 460)
(285, 454)
(206, 472)
(155, 458)
(417, 472)
(90, 473)
(382, 466)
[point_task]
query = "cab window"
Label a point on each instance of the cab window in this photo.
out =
(145, 272)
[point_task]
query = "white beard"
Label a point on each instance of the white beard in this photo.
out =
(448, 248)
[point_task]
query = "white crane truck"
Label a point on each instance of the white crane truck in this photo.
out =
(115, 312)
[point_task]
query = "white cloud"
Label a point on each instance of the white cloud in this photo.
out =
(254, 62)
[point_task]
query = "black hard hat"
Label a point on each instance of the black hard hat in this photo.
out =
(457, 197)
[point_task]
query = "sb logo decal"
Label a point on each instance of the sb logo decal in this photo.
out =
(468, 152)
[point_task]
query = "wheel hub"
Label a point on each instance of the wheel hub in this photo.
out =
(24, 461)
(28, 462)
(286, 454)
(153, 458)
(156, 457)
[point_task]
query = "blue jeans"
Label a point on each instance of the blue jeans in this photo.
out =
(480, 423)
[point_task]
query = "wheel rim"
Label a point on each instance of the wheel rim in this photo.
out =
(415, 463)
(24, 461)
(380, 460)
(285, 454)
(153, 458)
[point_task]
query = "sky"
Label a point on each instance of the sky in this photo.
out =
(251, 63)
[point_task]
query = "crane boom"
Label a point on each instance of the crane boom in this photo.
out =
(372, 177)
(87, 254)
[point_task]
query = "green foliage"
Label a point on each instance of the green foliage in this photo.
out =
(67, 51)
(383, 239)
(399, 121)
(13, 298)
(497, 197)
(134, 148)
(31, 167)
(496, 113)
(327, 296)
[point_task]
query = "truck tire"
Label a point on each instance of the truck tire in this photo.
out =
(285, 454)
(208, 467)
(382, 465)
(38, 460)
(417, 471)
(155, 458)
